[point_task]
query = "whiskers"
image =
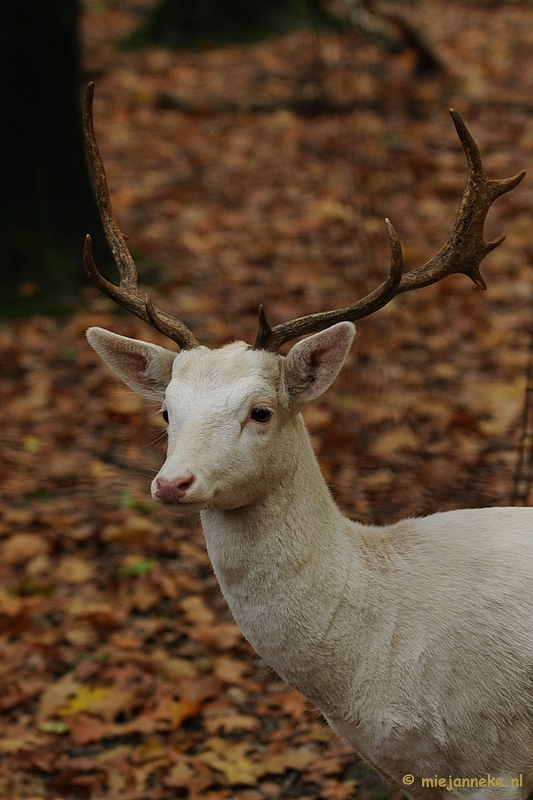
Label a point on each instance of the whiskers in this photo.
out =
(156, 437)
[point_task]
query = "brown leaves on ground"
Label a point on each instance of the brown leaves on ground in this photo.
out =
(123, 675)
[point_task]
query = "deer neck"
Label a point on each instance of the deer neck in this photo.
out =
(282, 566)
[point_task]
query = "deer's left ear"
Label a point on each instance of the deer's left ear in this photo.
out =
(313, 364)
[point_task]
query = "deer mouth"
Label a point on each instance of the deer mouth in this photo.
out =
(183, 507)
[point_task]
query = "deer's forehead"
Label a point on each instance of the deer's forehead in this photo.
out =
(234, 371)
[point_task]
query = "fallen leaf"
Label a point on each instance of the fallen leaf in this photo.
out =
(21, 547)
(394, 441)
(229, 722)
(339, 790)
(180, 776)
(174, 668)
(100, 612)
(188, 550)
(196, 611)
(113, 703)
(58, 694)
(222, 636)
(294, 704)
(84, 729)
(181, 710)
(125, 401)
(26, 741)
(10, 604)
(231, 760)
(74, 570)
(136, 528)
(53, 726)
(150, 750)
(81, 637)
(85, 697)
(290, 759)
(230, 670)
(145, 598)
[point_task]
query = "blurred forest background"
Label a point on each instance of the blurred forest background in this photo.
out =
(258, 172)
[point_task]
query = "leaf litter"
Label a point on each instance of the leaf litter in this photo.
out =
(123, 674)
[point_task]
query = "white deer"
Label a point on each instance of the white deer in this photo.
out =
(415, 639)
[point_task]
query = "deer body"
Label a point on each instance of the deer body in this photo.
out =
(415, 640)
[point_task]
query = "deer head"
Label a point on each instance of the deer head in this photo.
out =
(233, 412)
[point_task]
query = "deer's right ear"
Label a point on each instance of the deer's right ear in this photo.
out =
(145, 368)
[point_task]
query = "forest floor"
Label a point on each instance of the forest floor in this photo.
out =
(253, 174)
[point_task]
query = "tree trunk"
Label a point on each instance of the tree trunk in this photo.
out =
(46, 201)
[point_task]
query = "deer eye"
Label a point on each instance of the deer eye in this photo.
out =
(260, 414)
(165, 415)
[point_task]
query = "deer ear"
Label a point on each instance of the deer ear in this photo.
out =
(313, 364)
(145, 368)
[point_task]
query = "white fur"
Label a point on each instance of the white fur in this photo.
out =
(416, 639)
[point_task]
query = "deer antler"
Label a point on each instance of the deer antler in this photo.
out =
(127, 293)
(463, 252)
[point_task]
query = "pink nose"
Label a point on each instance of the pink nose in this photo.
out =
(172, 492)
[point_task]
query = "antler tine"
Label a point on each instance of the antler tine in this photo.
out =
(127, 293)
(466, 248)
(463, 252)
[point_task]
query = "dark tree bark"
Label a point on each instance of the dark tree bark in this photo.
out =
(46, 201)
(180, 23)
